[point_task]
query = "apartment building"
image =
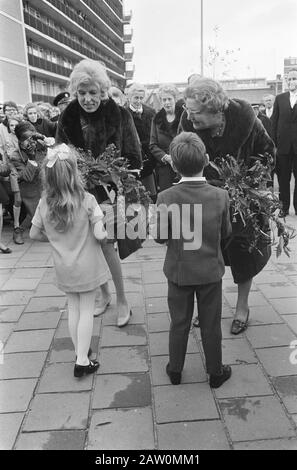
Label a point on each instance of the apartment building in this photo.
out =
(42, 40)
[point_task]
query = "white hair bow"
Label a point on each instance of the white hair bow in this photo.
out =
(61, 152)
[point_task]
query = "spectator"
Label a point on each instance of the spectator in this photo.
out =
(284, 132)
(164, 129)
(41, 124)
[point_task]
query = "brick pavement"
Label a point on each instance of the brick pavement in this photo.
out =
(129, 403)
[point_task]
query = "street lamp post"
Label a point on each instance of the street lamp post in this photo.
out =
(201, 41)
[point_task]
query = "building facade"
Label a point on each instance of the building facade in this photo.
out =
(42, 40)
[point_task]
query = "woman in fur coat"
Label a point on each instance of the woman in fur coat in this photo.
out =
(92, 121)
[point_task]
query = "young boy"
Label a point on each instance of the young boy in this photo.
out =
(193, 217)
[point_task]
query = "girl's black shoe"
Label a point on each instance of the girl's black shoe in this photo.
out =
(79, 371)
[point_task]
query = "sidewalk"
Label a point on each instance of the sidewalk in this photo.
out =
(130, 403)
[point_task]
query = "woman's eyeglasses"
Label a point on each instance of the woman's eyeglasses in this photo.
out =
(189, 111)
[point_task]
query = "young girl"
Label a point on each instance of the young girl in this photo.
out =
(72, 221)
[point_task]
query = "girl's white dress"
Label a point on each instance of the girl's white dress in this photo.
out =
(78, 258)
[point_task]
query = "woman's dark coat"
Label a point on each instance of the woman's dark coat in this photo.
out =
(244, 136)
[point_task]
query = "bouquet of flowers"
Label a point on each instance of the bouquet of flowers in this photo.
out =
(253, 204)
(111, 170)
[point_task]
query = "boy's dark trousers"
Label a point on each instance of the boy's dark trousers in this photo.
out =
(181, 307)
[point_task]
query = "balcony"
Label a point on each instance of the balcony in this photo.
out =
(51, 67)
(127, 17)
(116, 28)
(63, 39)
(128, 36)
(128, 55)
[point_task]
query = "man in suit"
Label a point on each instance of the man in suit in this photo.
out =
(192, 218)
(268, 101)
(284, 134)
(142, 116)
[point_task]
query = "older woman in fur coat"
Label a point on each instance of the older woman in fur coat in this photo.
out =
(229, 127)
(91, 122)
(163, 130)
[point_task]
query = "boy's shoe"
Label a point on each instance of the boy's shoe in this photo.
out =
(215, 381)
(79, 371)
(17, 236)
(175, 377)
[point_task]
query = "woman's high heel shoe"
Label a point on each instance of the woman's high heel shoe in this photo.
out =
(122, 321)
(79, 371)
(239, 326)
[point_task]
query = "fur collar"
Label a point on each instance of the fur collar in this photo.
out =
(162, 122)
(107, 116)
(240, 118)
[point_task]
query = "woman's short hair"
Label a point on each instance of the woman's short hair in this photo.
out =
(88, 71)
(169, 89)
(29, 106)
(208, 93)
(23, 127)
(10, 104)
(135, 88)
(188, 153)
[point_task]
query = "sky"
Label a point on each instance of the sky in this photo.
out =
(166, 38)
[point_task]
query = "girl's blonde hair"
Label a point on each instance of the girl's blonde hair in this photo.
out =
(63, 187)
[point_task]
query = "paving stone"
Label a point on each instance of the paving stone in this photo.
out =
(268, 277)
(249, 419)
(159, 344)
(269, 444)
(276, 361)
(134, 299)
(287, 389)
(149, 266)
(122, 360)
(46, 304)
(48, 290)
(130, 335)
(5, 331)
(38, 321)
(59, 378)
(150, 253)
(246, 380)
(22, 341)
(14, 298)
(49, 276)
(291, 320)
(154, 276)
(155, 290)
(121, 430)
(62, 349)
(158, 322)
(256, 299)
(185, 402)
(8, 262)
(28, 273)
(15, 395)
(193, 370)
(58, 411)
(227, 311)
(53, 440)
(237, 351)
(155, 305)
(278, 290)
(11, 313)
(266, 336)
(285, 306)
(201, 435)
(122, 391)
(22, 365)
(20, 284)
(63, 330)
(10, 424)
(264, 316)
(111, 314)
(32, 264)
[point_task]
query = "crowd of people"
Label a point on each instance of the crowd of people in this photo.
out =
(170, 149)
